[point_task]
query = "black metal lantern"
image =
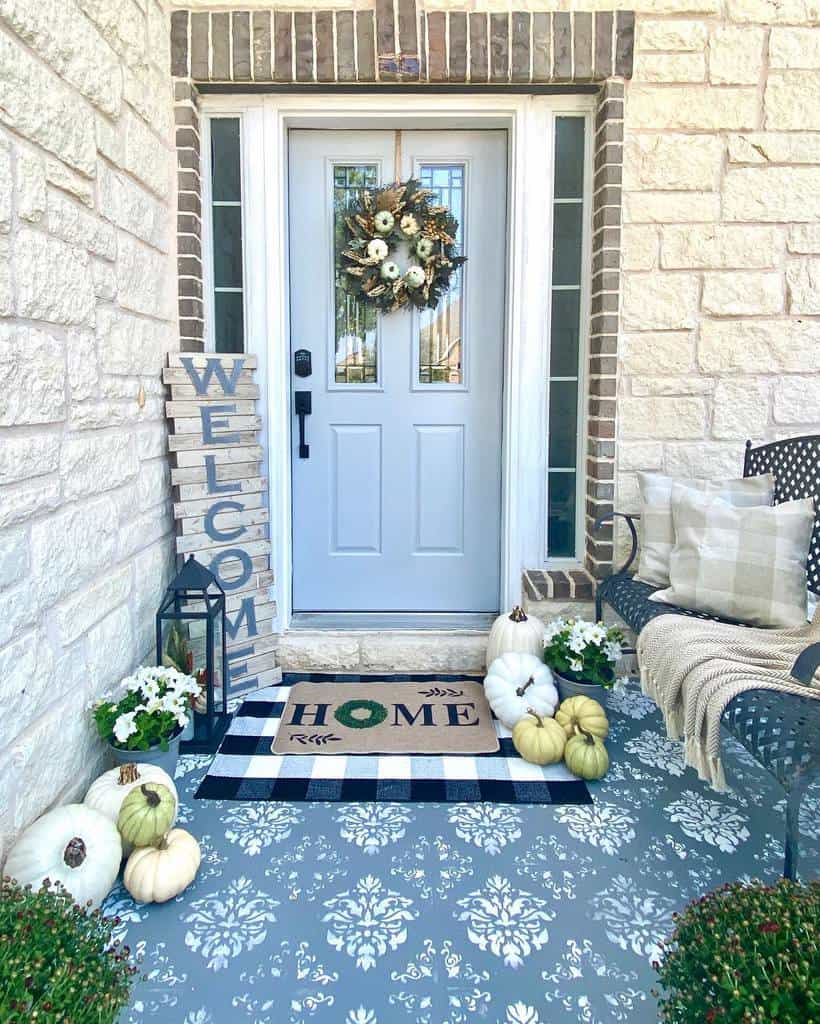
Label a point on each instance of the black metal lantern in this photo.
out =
(191, 638)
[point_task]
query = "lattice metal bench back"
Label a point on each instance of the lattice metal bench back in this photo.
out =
(795, 463)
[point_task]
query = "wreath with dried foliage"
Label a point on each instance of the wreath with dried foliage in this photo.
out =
(381, 222)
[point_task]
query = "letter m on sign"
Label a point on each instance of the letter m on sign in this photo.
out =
(213, 368)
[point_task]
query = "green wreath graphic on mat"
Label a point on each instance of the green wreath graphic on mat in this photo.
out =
(344, 714)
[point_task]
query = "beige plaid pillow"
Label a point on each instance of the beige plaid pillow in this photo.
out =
(657, 530)
(747, 564)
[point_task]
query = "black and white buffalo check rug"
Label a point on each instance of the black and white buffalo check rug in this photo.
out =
(244, 767)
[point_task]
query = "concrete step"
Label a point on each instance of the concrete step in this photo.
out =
(308, 650)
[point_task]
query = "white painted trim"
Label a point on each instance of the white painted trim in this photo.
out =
(529, 122)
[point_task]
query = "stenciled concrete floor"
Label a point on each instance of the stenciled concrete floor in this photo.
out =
(442, 914)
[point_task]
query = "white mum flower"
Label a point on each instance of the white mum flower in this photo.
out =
(124, 726)
(576, 665)
(612, 650)
(377, 249)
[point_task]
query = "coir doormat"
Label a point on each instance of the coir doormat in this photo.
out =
(245, 767)
(435, 717)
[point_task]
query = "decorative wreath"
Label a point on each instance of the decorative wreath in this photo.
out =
(376, 224)
(376, 714)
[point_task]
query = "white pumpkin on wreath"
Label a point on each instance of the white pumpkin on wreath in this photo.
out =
(517, 682)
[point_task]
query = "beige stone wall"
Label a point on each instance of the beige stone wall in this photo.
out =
(86, 312)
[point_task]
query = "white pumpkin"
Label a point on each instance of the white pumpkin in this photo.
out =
(107, 793)
(516, 682)
(74, 845)
(155, 874)
(515, 632)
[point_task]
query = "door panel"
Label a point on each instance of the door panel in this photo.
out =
(397, 507)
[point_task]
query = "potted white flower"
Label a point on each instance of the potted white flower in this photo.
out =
(582, 656)
(145, 724)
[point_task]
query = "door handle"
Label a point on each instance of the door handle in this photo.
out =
(303, 407)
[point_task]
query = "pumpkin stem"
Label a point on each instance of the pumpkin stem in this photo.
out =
(589, 739)
(517, 614)
(128, 773)
(163, 843)
(75, 852)
(521, 690)
(151, 796)
(538, 719)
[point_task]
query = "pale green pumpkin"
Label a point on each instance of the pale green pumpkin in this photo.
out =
(538, 739)
(582, 713)
(586, 756)
(146, 814)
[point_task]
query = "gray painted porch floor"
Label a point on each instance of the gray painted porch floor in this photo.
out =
(441, 914)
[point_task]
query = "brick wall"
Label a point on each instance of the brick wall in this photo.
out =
(86, 315)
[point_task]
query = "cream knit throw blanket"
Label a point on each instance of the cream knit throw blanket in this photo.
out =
(692, 668)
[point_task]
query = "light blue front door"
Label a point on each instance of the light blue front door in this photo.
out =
(397, 507)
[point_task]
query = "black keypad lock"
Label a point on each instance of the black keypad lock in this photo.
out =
(302, 364)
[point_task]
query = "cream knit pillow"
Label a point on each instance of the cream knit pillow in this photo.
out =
(657, 530)
(746, 564)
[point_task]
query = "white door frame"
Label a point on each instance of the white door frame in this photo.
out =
(529, 121)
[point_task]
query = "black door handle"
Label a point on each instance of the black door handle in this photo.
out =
(302, 405)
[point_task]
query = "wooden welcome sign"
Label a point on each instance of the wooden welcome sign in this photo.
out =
(220, 499)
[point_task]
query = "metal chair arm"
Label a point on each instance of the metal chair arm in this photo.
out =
(807, 663)
(630, 522)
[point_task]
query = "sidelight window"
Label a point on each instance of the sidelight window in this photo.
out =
(564, 394)
(226, 235)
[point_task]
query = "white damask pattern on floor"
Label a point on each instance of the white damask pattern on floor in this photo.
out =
(449, 914)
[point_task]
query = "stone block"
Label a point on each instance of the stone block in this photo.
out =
(80, 227)
(639, 247)
(803, 280)
(729, 293)
(666, 385)
(759, 346)
(20, 613)
(72, 47)
(670, 67)
(24, 458)
(54, 280)
(639, 455)
(149, 93)
(329, 652)
(144, 284)
(129, 345)
(76, 616)
(671, 207)
(804, 238)
(6, 291)
(30, 174)
(741, 409)
(24, 671)
(707, 459)
(105, 279)
(111, 650)
(794, 48)
(661, 418)
(691, 108)
(97, 462)
(13, 556)
(61, 176)
(73, 547)
(39, 106)
(426, 652)
(790, 100)
(772, 194)
(6, 185)
(132, 145)
(671, 35)
(643, 353)
(654, 161)
(720, 246)
(23, 502)
(660, 301)
(32, 376)
(774, 148)
(122, 24)
(796, 400)
(153, 483)
(736, 55)
(132, 208)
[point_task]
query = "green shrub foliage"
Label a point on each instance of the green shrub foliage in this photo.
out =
(745, 954)
(58, 964)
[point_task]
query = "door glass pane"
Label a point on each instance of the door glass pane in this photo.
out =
(356, 349)
(563, 436)
(229, 333)
(227, 222)
(569, 157)
(226, 234)
(565, 323)
(440, 329)
(561, 515)
(225, 163)
(566, 249)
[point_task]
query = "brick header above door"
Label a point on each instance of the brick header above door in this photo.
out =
(395, 43)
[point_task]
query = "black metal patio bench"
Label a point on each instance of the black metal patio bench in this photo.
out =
(780, 730)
